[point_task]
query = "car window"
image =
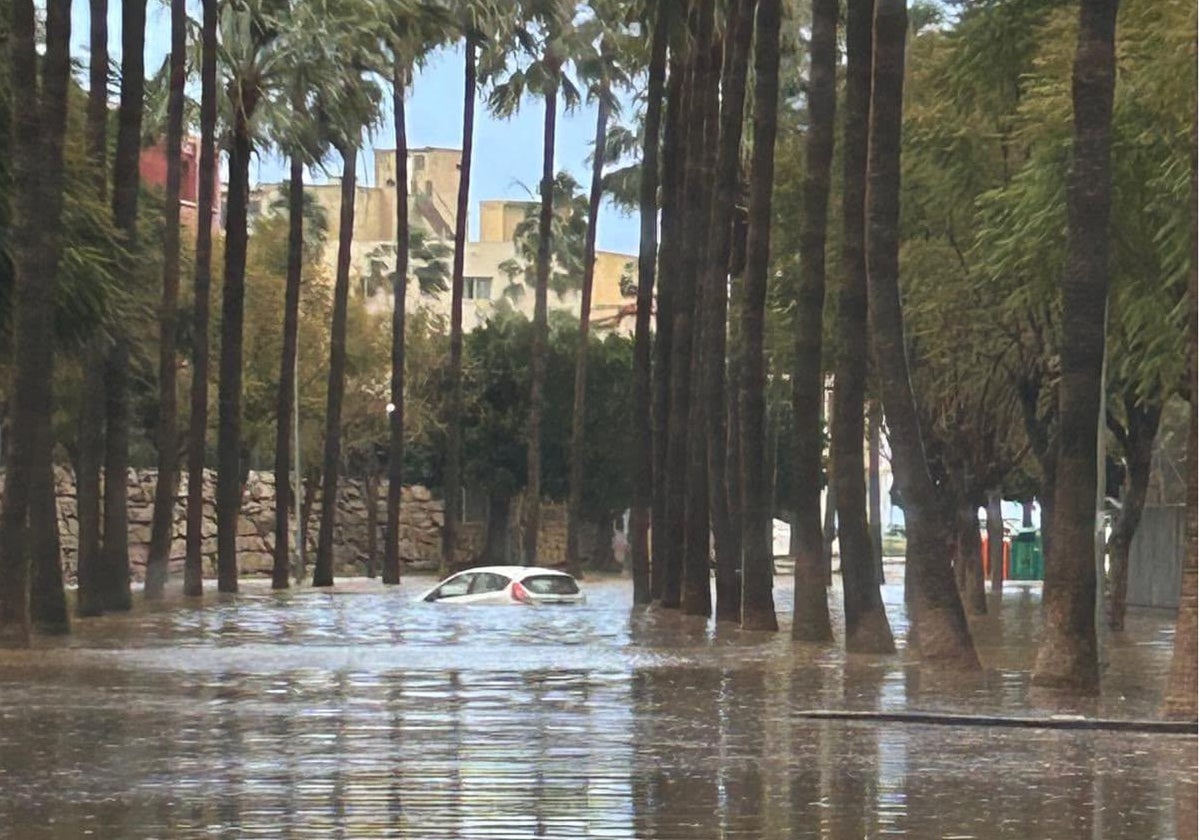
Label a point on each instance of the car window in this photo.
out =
(550, 584)
(454, 587)
(488, 582)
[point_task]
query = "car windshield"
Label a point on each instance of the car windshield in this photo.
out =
(550, 585)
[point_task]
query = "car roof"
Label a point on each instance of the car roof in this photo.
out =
(516, 571)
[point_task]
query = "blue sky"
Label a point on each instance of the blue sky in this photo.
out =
(508, 153)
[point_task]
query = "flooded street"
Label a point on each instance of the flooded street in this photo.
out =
(359, 713)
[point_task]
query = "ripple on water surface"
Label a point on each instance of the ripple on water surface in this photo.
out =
(359, 713)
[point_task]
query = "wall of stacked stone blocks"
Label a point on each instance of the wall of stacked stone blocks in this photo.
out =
(421, 519)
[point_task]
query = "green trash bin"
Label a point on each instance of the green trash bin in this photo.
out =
(1025, 560)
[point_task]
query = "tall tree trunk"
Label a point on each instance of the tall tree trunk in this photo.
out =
(874, 490)
(938, 618)
(91, 417)
(758, 607)
(395, 466)
(126, 186)
(643, 480)
(229, 408)
(202, 280)
(739, 31)
(811, 622)
(665, 553)
(682, 312)
(495, 546)
(39, 126)
(454, 420)
(696, 593)
(331, 463)
(578, 409)
(537, 372)
(284, 398)
(1138, 444)
(47, 597)
(97, 106)
(867, 628)
(995, 543)
(1068, 655)
(162, 528)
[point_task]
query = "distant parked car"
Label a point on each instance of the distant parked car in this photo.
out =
(507, 585)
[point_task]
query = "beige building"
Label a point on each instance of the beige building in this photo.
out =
(492, 273)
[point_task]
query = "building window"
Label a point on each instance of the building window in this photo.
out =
(418, 162)
(428, 189)
(477, 288)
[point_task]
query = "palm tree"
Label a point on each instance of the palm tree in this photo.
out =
(202, 280)
(811, 621)
(454, 409)
(91, 418)
(938, 619)
(1067, 655)
(412, 36)
(37, 165)
(601, 68)
(163, 518)
(758, 608)
(348, 105)
(739, 31)
(545, 76)
(647, 258)
(116, 593)
(666, 557)
(867, 629)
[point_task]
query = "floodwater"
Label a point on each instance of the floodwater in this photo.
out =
(358, 713)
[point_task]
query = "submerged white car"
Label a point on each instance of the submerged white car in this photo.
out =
(507, 585)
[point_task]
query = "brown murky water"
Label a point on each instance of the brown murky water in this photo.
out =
(362, 714)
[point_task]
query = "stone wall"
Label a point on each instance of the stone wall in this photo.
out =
(421, 519)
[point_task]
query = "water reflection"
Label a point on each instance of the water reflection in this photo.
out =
(311, 715)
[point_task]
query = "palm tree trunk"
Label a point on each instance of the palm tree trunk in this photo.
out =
(126, 185)
(683, 311)
(28, 522)
(578, 408)
(454, 417)
(395, 467)
(202, 279)
(229, 407)
(758, 607)
(811, 622)
(323, 569)
(1068, 656)
(91, 418)
(1138, 443)
(639, 517)
(284, 404)
(537, 373)
(163, 518)
(665, 555)
(938, 617)
(696, 596)
(739, 30)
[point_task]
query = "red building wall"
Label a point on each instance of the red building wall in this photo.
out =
(153, 168)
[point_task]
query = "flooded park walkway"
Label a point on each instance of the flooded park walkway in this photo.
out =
(358, 713)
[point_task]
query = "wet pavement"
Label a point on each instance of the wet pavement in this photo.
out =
(359, 713)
